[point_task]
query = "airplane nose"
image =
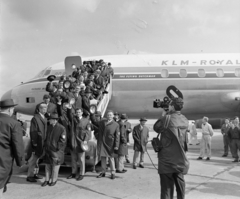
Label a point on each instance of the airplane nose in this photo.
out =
(7, 95)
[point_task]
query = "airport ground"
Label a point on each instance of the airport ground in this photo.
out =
(218, 178)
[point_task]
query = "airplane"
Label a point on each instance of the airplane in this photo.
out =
(210, 84)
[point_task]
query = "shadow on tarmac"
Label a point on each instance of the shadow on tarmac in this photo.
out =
(222, 189)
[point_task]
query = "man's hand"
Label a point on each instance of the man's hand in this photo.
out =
(115, 148)
(85, 142)
(164, 113)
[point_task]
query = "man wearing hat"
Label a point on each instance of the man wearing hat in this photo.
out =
(172, 160)
(123, 150)
(11, 143)
(55, 144)
(38, 130)
(140, 137)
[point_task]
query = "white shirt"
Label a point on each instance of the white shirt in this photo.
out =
(42, 115)
(207, 129)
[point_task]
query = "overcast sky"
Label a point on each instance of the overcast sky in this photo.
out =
(38, 33)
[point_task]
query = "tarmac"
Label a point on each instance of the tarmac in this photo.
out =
(215, 179)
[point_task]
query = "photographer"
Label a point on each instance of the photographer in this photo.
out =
(172, 160)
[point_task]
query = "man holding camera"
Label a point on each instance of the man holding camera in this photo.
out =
(172, 160)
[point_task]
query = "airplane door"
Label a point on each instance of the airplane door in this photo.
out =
(71, 62)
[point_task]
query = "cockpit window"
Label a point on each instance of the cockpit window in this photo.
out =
(47, 72)
(43, 73)
(39, 74)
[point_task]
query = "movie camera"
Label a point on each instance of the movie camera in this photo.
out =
(172, 92)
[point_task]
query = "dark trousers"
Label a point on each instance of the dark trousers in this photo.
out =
(235, 145)
(226, 143)
(168, 180)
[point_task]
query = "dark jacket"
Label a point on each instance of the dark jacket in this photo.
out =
(86, 104)
(63, 120)
(172, 157)
(80, 131)
(234, 133)
(11, 146)
(128, 129)
(38, 129)
(123, 149)
(55, 144)
(108, 138)
(140, 138)
(78, 102)
(99, 83)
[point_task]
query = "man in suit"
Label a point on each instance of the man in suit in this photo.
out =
(80, 133)
(225, 130)
(55, 144)
(11, 143)
(78, 98)
(140, 136)
(107, 143)
(51, 107)
(86, 101)
(38, 131)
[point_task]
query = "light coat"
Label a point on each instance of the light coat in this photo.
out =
(108, 138)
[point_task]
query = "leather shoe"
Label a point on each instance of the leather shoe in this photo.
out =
(53, 183)
(134, 167)
(71, 176)
(101, 175)
(124, 170)
(80, 177)
(235, 160)
(199, 158)
(224, 155)
(141, 166)
(112, 176)
(37, 177)
(45, 183)
(31, 179)
(207, 158)
(118, 171)
(128, 161)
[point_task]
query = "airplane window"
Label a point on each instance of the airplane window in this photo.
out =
(220, 72)
(237, 72)
(164, 73)
(201, 73)
(183, 73)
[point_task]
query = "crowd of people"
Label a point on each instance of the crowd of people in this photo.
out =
(63, 123)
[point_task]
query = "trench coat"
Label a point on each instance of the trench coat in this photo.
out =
(38, 130)
(108, 138)
(128, 129)
(172, 157)
(55, 144)
(80, 131)
(123, 148)
(11, 146)
(140, 138)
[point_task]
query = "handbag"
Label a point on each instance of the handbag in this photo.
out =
(156, 144)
